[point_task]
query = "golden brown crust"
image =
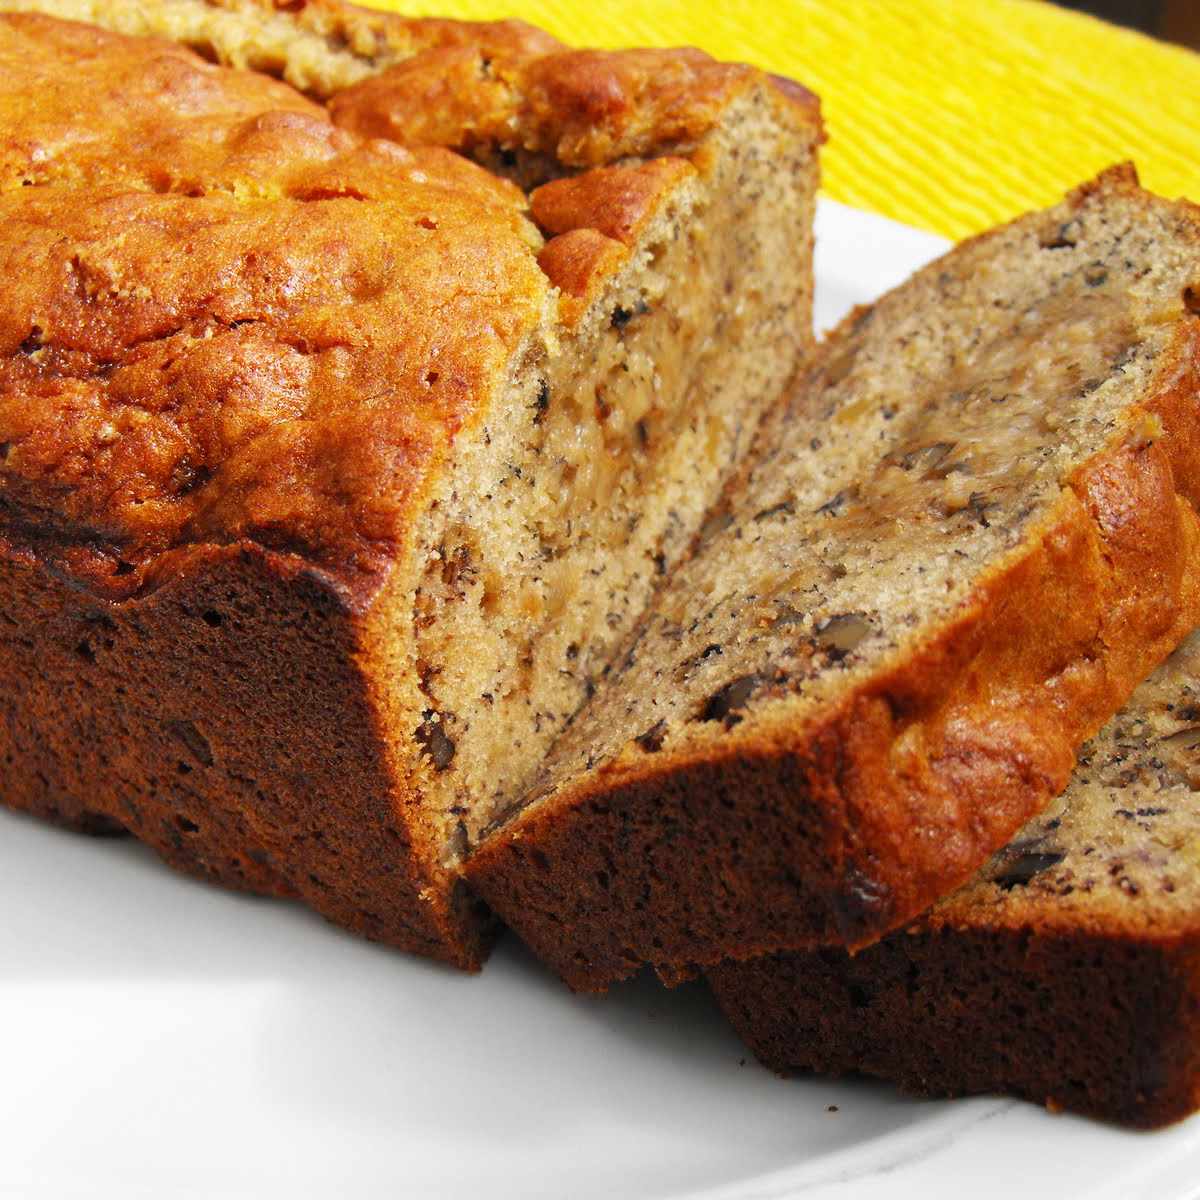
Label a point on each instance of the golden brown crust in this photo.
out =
(520, 87)
(311, 417)
(592, 219)
(615, 201)
(441, 97)
(839, 832)
(47, 66)
(1099, 1024)
(146, 408)
(578, 262)
(595, 106)
(174, 123)
(500, 85)
(257, 384)
(581, 108)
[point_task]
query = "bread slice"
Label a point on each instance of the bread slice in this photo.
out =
(332, 471)
(1067, 971)
(958, 548)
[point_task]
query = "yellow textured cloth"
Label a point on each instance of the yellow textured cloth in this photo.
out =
(946, 114)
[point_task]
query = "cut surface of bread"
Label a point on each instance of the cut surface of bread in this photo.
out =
(954, 554)
(333, 469)
(1067, 971)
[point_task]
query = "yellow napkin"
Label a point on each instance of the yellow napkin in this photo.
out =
(946, 114)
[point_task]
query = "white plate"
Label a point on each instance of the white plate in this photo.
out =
(161, 1038)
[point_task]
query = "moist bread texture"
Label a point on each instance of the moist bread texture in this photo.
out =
(1067, 971)
(333, 468)
(954, 553)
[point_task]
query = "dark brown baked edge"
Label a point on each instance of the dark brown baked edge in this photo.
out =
(228, 720)
(798, 838)
(1107, 1026)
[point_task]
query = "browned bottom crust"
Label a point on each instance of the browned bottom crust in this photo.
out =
(225, 721)
(1102, 1026)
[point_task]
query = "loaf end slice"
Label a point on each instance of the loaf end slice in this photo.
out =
(956, 551)
(465, 427)
(1067, 971)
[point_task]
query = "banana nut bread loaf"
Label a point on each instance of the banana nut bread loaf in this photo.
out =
(955, 553)
(333, 468)
(1067, 971)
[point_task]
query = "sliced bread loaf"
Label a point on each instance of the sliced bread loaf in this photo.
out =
(332, 471)
(1067, 971)
(956, 550)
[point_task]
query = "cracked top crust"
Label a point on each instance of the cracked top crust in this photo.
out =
(583, 108)
(224, 317)
(430, 81)
(227, 318)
